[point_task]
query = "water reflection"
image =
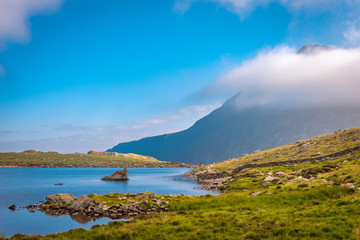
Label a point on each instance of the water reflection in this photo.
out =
(82, 219)
(79, 218)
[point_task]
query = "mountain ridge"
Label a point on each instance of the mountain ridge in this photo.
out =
(228, 132)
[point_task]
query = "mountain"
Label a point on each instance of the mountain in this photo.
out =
(314, 49)
(230, 131)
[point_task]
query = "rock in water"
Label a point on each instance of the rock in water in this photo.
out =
(12, 207)
(117, 176)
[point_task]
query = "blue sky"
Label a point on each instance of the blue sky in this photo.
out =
(78, 75)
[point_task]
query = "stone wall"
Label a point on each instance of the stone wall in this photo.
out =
(296, 161)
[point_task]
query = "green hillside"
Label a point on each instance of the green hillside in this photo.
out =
(314, 147)
(33, 158)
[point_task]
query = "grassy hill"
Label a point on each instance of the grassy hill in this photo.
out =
(314, 147)
(33, 158)
(331, 158)
(315, 199)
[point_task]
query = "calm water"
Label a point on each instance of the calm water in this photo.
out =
(25, 186)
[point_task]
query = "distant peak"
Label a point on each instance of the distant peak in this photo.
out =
(314, 49)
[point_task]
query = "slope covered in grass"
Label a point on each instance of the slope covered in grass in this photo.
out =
(50, 159)
(314, 147)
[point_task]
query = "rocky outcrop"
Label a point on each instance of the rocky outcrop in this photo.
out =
(269, 180)
(212, 181)
(83, 202)
(60, 198)
(117, 176)
(85, 208)
(348, 185)
(258, 159)
(29, 151)
(12, 207)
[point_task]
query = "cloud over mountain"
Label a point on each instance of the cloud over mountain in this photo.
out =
(284, 77)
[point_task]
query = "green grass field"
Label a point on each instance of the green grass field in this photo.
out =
(45, 159)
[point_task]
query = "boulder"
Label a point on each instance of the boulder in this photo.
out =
(269, 180)
(60, 198)
(12, 207)
(117, 176)
(279, 174)
(83, 202)
(272, 179)
(258, 159)
(146, 194)
(348, 185)
(299, 178)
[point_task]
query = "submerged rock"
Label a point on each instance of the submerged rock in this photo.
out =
(117, 176)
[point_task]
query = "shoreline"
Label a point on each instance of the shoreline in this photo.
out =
(45, 166)
(143, 203)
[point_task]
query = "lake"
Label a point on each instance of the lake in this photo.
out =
(25, 186)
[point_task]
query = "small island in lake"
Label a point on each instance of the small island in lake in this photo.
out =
(117, 176)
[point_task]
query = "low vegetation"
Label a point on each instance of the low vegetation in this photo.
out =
(310, 148)
(310, 200)
(33, 158)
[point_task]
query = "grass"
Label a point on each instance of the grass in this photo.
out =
(45, 159)
(326, 144)
(309, 202)
(324, 213)
(341, 170)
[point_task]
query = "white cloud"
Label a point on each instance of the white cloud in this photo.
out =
(352, 35)
(189, 112)
(283, 77)
(15, 14)
(244, 7)
(201, 110)
(338, 14)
